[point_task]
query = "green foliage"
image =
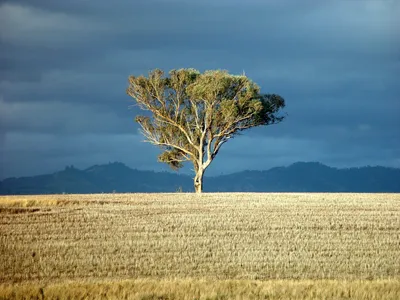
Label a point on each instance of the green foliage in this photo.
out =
(172, 157)
(193, 113)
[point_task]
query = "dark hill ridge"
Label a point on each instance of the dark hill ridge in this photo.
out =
(311, 177)
(298, 177)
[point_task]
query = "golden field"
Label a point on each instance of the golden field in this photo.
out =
(213, 246)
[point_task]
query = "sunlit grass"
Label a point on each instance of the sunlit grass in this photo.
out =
(311, 246)
(206, 289)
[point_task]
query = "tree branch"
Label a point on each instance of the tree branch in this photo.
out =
(155, 141)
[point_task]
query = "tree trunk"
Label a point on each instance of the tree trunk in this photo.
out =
(198, 182)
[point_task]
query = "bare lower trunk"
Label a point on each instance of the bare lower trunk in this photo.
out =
(198, 182)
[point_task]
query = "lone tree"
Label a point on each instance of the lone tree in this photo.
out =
(194, 114)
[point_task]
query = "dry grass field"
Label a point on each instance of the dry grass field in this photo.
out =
(214, 246)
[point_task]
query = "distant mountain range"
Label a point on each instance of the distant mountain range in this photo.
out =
(298, 177)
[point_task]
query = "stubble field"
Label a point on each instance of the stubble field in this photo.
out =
(214, 246)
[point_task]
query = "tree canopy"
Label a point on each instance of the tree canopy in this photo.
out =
(193, 114)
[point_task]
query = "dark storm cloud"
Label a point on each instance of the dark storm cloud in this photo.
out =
(64, 68)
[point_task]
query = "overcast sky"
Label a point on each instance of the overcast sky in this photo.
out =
(64, 67)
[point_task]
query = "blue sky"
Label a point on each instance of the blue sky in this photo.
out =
(64, 67)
